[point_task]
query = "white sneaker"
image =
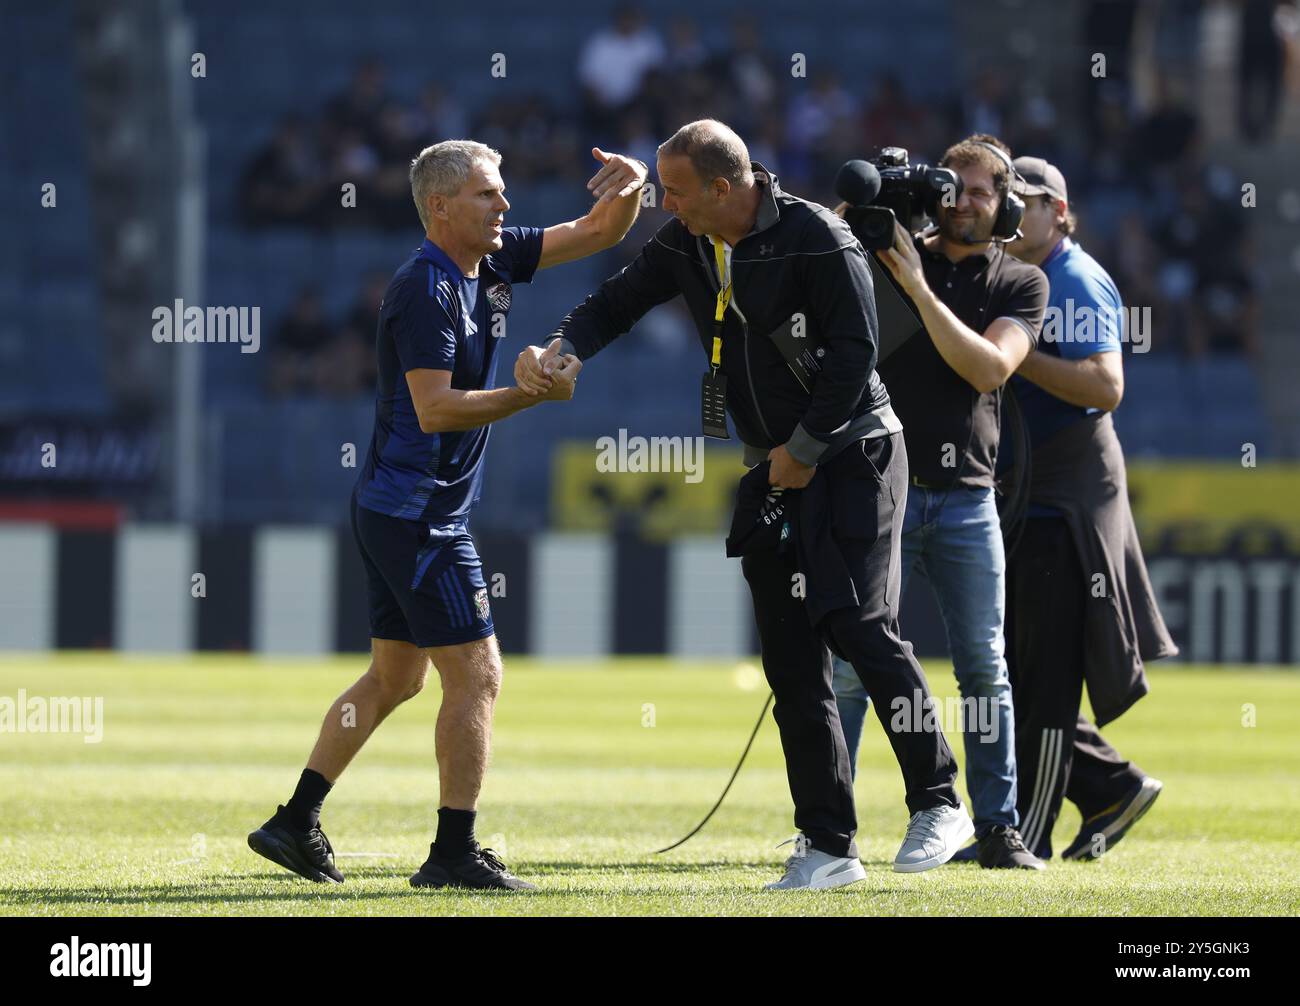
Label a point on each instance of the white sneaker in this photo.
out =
(932, 837)
(814, 870)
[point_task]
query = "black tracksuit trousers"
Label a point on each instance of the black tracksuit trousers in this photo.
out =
(867, 493)
(1059, 754)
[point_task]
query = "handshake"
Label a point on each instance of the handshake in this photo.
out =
(546, 373)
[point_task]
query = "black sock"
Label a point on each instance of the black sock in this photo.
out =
(455, 832)
(304, 806)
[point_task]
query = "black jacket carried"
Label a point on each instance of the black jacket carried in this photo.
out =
(1081, 472)
(800, 269)
(767, 519)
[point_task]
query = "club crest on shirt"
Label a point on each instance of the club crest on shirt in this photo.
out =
(498, 297)
(481, 603)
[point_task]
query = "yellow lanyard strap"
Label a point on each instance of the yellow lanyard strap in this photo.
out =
(724, 297)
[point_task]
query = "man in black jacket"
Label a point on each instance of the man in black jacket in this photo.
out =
(781, 294)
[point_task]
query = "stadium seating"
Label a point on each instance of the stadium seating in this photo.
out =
(51, 353)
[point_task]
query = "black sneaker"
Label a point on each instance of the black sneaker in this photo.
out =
(1113, 823)
(1004, 849)
(307, 853)
(479, 868)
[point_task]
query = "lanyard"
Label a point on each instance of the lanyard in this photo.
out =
(724, 297)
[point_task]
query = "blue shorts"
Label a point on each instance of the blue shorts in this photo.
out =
(425, 581)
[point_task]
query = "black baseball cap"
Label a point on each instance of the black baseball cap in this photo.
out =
(1040, 179)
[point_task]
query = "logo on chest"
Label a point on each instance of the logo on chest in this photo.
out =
(498, 297)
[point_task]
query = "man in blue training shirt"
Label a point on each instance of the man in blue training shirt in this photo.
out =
(437, 396)
(1080, 609)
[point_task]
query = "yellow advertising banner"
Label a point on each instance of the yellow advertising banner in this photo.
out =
(1202, 507)
(666, 486)
(659, 486)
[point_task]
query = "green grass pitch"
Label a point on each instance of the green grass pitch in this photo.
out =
(595, 765)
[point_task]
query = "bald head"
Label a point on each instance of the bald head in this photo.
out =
(714, 150)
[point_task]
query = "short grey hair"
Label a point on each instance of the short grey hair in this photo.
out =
(714, 150)
(444, 167)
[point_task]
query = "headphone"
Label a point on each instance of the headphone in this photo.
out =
(1006, 227)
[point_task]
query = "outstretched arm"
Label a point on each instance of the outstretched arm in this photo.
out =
(444, 409)
(609, 312)
(617, 188)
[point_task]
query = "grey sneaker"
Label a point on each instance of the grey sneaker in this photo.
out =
(932, 837)
(811, 869)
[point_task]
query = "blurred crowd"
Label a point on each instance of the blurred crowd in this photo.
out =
(313, 354)
(1163, 217)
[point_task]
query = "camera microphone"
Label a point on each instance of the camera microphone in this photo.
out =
(857, 183)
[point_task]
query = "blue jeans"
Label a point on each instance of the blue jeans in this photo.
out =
(955, 539)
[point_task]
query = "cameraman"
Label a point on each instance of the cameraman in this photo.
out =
(981, 310)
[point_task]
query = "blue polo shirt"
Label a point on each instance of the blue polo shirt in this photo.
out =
(1084, 316)
(435, 317)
